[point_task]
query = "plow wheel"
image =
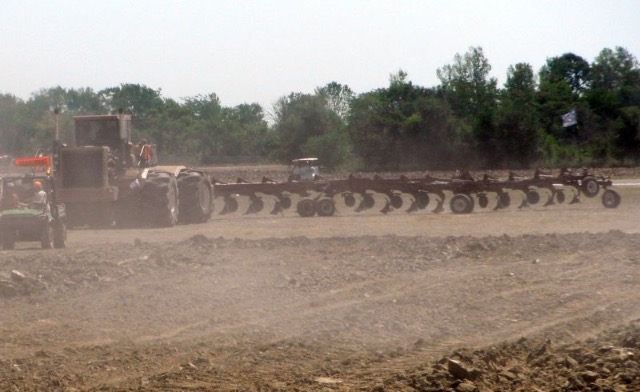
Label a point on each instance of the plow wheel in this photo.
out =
(160, 200)
(533, 197)
(461, 204)
(610, 198)
(195, 197)
(349, 199)
(306, 208)
(325, 207)
(483, 200)
(590, 187)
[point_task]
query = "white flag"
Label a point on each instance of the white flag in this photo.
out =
(570, 118)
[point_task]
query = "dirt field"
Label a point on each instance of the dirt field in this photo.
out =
(532, 299)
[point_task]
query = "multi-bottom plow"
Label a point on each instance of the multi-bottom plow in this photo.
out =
(462, 193)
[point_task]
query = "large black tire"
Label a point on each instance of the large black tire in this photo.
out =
(610, 198)
(195, 201)
(461, 204)
(590, 186)
(306, 208)
(159, 200)
(46, 239)
(325, 207)
(59, 234)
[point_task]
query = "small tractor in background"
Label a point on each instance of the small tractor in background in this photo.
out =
(103, 182)
(22, 218)
(305, 169)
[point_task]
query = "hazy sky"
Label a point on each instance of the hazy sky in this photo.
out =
(258, 51)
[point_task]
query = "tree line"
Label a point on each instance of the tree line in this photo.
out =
(467, 121)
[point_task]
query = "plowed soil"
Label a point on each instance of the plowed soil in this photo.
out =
(523, 299)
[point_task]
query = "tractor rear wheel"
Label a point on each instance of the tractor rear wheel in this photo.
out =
(160, 200)
(195, 201)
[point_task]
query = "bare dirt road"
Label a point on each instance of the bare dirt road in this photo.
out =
(529, 298)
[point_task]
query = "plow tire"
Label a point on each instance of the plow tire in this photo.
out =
(160, 200)
(46, 239)
(325, 207)
(59, 234)
(533, 197)
(461, 204)
(590, 187)
(610, 198)
(306, 208)
(195, 201)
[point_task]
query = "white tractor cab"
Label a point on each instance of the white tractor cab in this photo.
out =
(305, 169)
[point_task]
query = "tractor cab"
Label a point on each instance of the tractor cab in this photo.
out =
(305, 169)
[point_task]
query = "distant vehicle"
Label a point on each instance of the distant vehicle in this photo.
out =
(305, 169)
(24, 220)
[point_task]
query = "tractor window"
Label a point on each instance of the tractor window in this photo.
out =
(98, 133)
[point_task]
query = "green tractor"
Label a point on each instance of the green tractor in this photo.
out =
(29, 212)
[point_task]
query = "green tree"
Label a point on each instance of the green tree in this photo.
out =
(472, 94)
(138, 100)
(517, 121)
(299, 118)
